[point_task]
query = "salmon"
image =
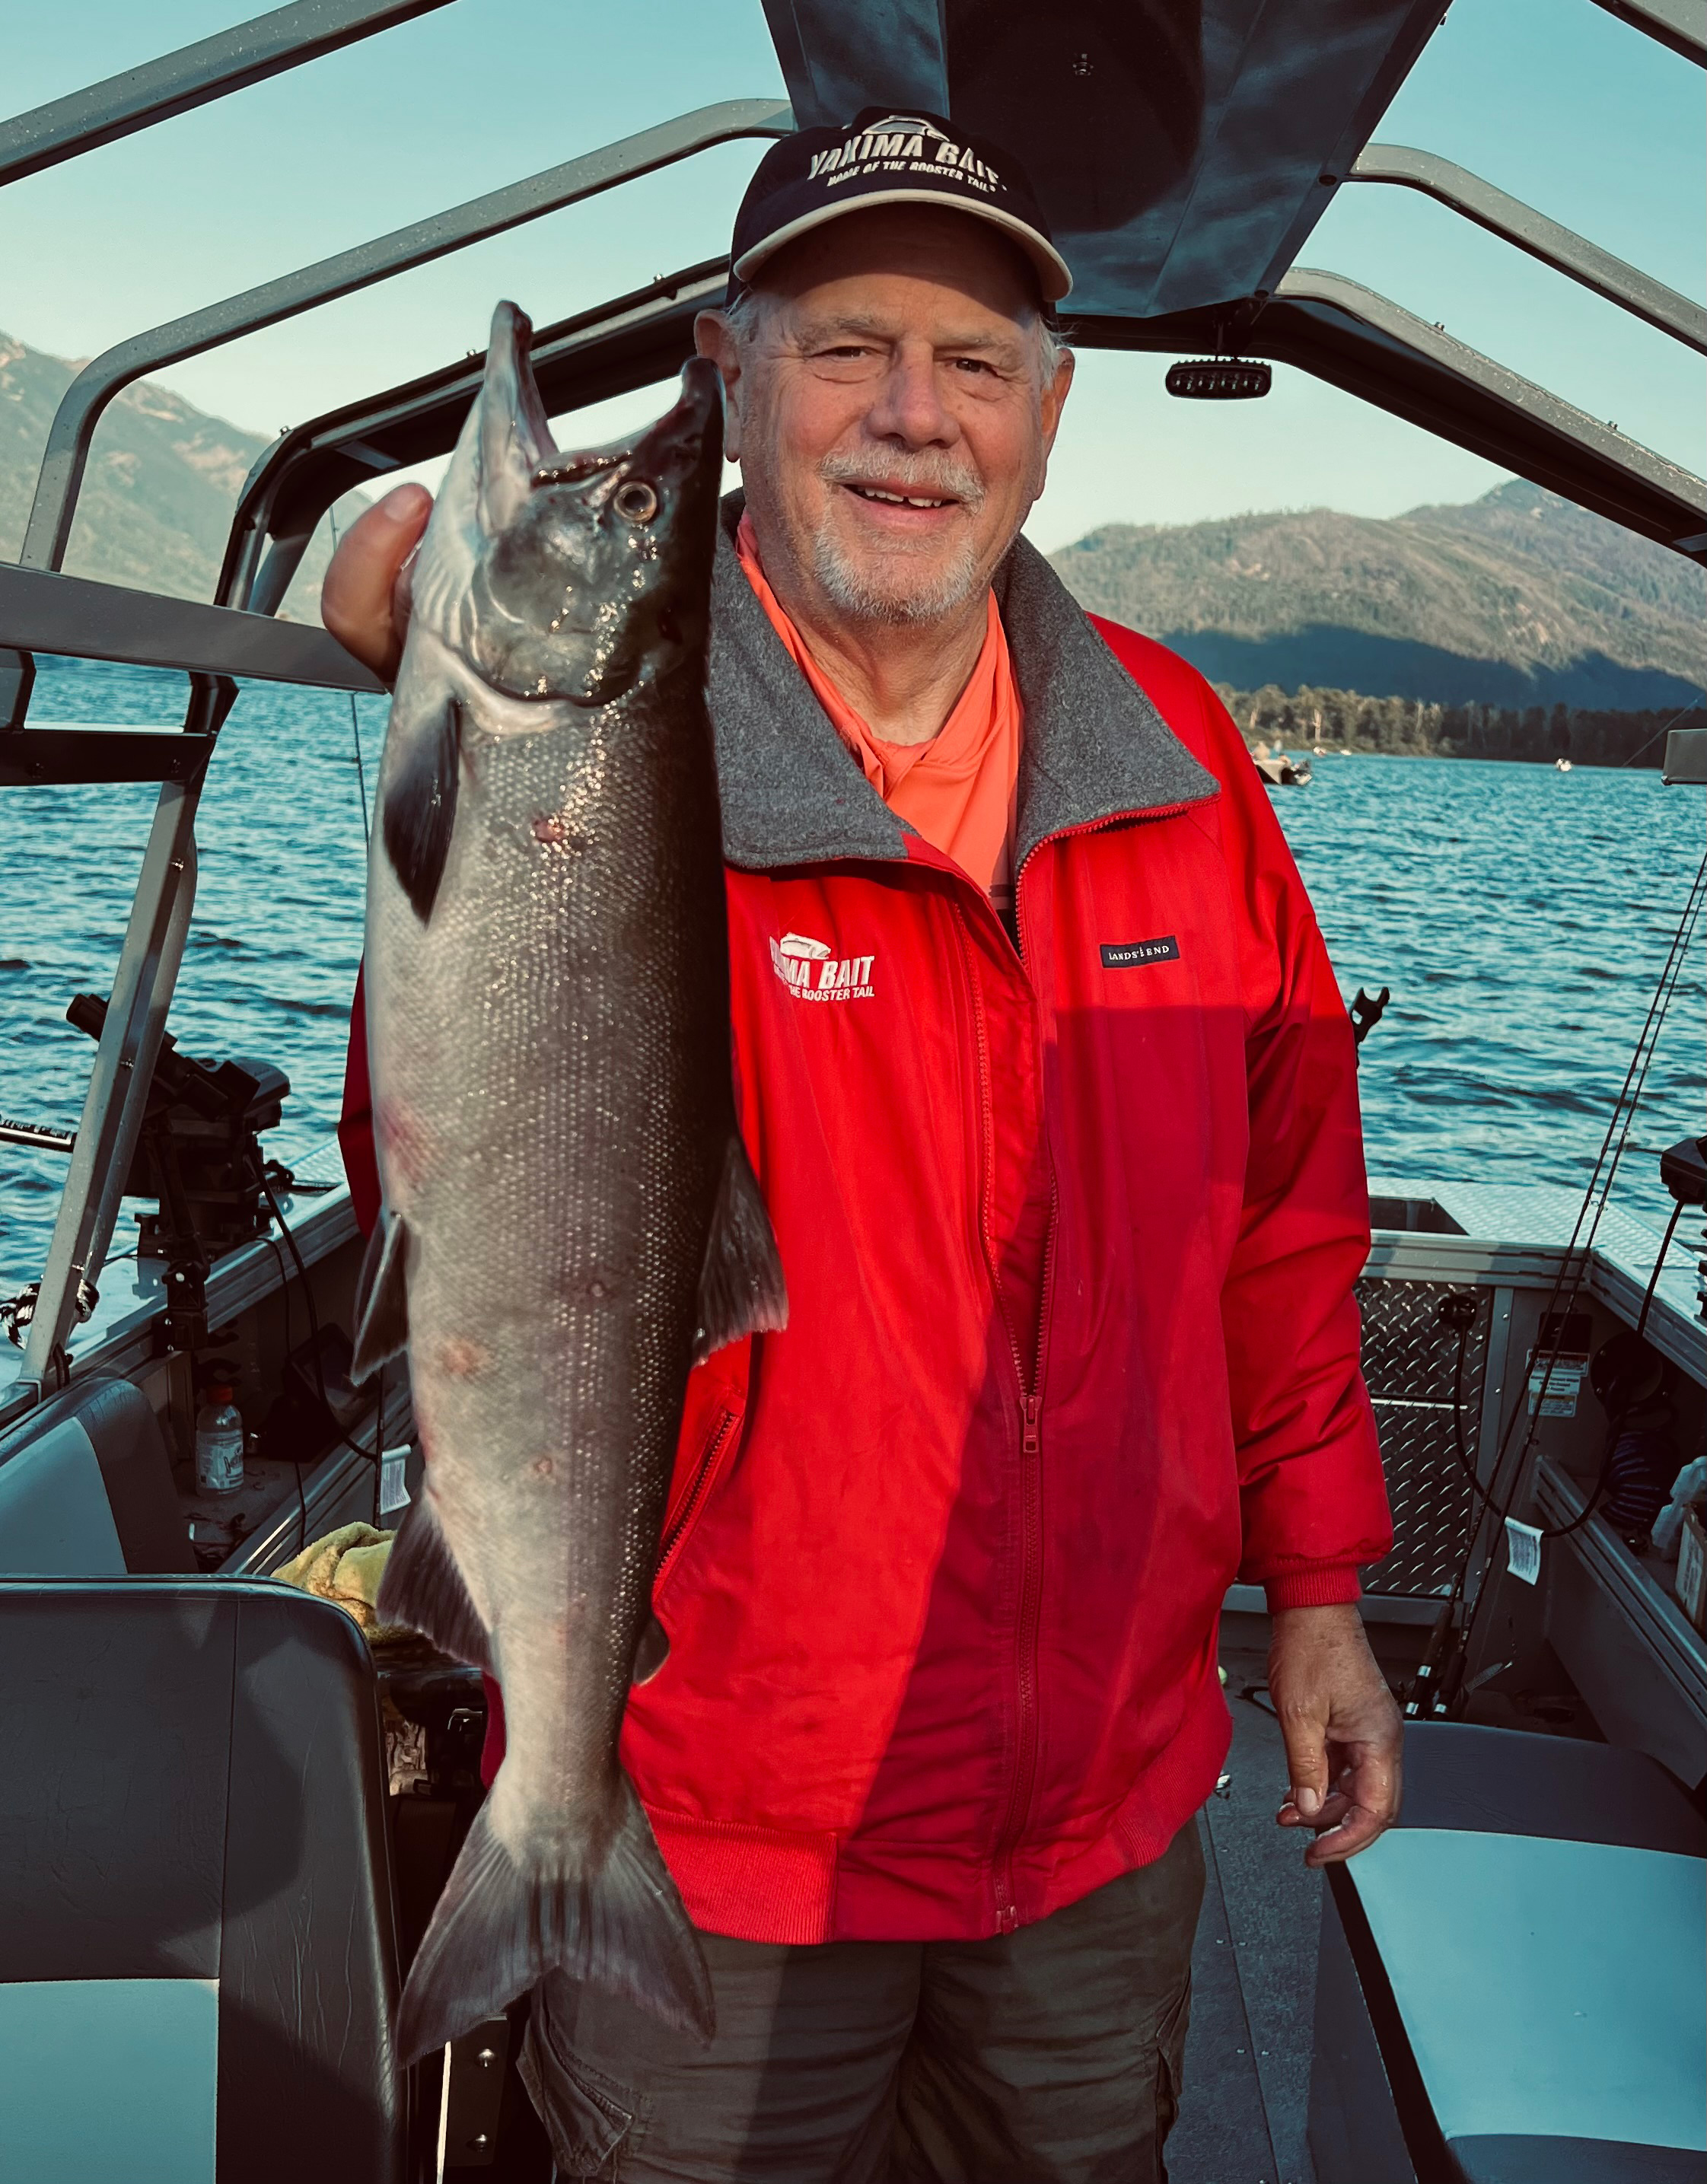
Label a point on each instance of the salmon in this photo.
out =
(570, 1217)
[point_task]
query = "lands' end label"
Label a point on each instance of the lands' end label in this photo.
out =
(1122, 955)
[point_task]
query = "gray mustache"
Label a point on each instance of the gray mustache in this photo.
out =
(919, 473)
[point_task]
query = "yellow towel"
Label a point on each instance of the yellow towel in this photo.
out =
(344, 1567)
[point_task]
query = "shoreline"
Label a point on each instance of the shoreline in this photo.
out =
(1318, 723)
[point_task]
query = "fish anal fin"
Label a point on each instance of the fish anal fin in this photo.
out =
(420, 810)
(381, 1299)
(423, 1588)
(741, 1287)
(605, 1911)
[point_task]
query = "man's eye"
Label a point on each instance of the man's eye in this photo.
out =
(974, 364)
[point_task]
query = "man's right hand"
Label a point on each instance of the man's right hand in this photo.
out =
(365, 596)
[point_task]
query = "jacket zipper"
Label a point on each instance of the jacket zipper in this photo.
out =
(1024, 1778)
(1030, 1388)
(1031, 1464)
(696, 1494)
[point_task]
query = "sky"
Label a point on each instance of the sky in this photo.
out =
(1553, 100)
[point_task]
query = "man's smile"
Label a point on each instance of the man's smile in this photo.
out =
(896, 497)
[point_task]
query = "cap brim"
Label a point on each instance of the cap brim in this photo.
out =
(1053, 277)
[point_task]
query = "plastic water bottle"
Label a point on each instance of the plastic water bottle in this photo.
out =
(219, 1443)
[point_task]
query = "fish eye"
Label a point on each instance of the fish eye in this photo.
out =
(636, 500)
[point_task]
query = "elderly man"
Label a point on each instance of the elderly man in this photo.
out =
(1041, 1064)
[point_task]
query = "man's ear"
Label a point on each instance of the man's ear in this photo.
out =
(716, 338)
(1053, 402)
(1055, 397)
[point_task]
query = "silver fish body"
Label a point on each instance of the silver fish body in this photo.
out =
(570, 1217)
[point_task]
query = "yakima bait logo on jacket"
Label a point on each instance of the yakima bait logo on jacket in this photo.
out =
(812, 972)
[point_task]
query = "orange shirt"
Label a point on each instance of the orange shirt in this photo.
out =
(957, 789)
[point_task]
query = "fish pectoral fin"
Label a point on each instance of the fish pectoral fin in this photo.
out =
(651, 1653)
(601, 1907)
(423, 1588)
(381, 1299)
(420, 810)
(741, 1287)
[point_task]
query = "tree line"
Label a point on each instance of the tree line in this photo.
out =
(1345, 720)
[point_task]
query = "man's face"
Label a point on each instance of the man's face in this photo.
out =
(889, 410)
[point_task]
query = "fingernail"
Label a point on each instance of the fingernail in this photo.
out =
(1309, 1802)
(402, 504)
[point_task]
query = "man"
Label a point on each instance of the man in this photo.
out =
(1043, 1069)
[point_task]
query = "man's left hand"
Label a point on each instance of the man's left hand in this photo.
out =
(1343, 1734)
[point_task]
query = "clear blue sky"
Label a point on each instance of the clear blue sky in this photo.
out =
(1552, 99)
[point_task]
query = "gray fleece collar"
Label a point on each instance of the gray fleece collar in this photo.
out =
(793, 793)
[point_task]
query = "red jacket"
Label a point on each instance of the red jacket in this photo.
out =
(1070, 1233)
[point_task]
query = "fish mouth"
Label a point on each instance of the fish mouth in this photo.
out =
(519, 453)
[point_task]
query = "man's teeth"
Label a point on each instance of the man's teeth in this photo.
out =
(899, 499)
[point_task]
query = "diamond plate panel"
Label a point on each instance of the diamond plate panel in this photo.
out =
(1409, 1361)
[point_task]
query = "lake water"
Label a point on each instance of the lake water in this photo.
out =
(1521, 917)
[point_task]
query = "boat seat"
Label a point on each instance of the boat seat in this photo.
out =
(86, 1488)
(198, 1965)
(1510, 1987)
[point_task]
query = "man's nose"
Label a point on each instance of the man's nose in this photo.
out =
(909, 405)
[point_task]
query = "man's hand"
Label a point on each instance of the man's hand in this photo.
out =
(1343, 1734)
(364, 598)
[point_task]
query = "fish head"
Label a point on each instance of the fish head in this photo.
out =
(591, 570)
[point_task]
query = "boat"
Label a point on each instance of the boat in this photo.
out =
(225, 1813)
(1562, 765)
(1278, 770)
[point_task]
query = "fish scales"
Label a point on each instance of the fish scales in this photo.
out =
(570, 1217)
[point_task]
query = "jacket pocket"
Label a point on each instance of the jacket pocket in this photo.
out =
(714, 1458)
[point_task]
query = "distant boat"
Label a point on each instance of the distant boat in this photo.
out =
(1281, 772)
(1563, 765)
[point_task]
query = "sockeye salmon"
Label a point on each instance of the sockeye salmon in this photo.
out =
(570, 1217)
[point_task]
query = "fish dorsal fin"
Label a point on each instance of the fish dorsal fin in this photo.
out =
(741, 1287)
(421, 808)
(423, 1588)
(381, 1299)
(515, 437)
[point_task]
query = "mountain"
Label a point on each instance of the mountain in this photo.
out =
(158, 494)
(1519, 599)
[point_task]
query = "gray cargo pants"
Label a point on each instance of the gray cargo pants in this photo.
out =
(1048, 2056)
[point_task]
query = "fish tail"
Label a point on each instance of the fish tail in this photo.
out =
(610, 1917)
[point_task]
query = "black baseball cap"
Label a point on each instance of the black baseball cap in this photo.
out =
(884, 156)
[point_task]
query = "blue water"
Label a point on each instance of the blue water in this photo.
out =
(1521, 917)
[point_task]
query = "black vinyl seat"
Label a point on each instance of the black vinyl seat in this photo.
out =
(1509, 1988)
(85, 1487)
(198, 1965)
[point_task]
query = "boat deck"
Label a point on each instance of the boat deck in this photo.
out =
(1248, 2059)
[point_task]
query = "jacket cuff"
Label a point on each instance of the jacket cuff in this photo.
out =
(1323, 1585)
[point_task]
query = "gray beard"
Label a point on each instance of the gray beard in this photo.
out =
(898, 602)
